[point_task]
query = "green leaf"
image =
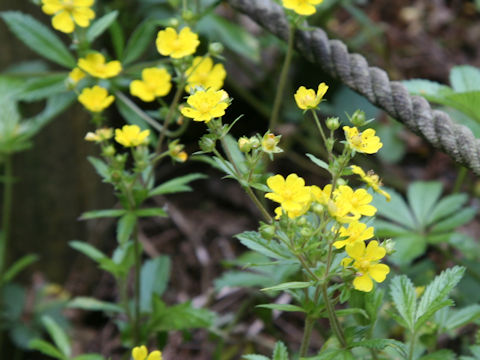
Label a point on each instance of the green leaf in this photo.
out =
(422, 196)
(446, 206)
(43, 87)
(289, 285)
(141, 38)
(255, 357)
(92, 304)
(333, 354)
(404, 297)
(440, 355)
(132, 114)
(238, 157)
(430, 90)
(176, 185)
(242, 279)
(395, 210)
(107, 213)
(466, 102)
(282, 307)
(436, 292)
(46, 349)
(151, 212)
(352, 311)
(408, 247)
(100, 166)
(88, 250)
(125, 227)
(179, 317)
(17, 267)
(460, 218)
(39, 38)
(280, 352)
(89, 357)
(154, 278)
(457, 318)
(318, 162)
(98, 27)
(255, 242)
(58, 335)
(380, 344)
(388, 229)
(465, 78)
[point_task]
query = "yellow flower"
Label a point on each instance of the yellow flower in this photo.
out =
(76, 75)
(291, 193)
(359, 200)
(169, 43)
(95, 99)
(365, 261)
(95, 65)
(364, 142)
(175, 150)
(356, 231)
(371, 179)
(130, 135)
(321, 196)
(68, 13)
(302, 7)
(141, 353)
(206, 105)
(203, 73)
(307, 99)
(99, 135)
(155, 83)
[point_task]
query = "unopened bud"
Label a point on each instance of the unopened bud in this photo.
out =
(358, 118)
(244, 144)
(173, 22)
(215, 48)
(333, 123)
(108, 151)
(207, 143)
(267, 231)
(389, 246)
(306, 232)
(254, 142)
(188, 15)
(317, 209)
(301, 221)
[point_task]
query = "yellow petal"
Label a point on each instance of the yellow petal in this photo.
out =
(139, 352)
(356, 250)
(378, 272)
(83, 15)
(63, 22)
(139, 89)
(363, 283)
(155, 355)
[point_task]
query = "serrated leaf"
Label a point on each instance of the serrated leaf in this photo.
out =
(460, 218)
(92, 304)
(99, 26)
(446, 206)
(176, 185)
(179, 317)
(255, 242)
(280, 352)
(88, 250)
(46, 349)
(39, 38)
(440, 355)
(282, 307)
(58, 335)
(107, 213)
(465, 78)
(380, 344)
(404, 297)
(255, 357)
(436, 292)
(460, 317)
(125, 227)
(422, 196)
(289, 285)
(142, 37)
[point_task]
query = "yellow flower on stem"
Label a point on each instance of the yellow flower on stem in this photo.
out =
(365, 262)
(155, 83)
(206, 105)
(307, 99)
(95, 99)
(291, 193)
(371, 179)
(359, 200)
(269, 143)
(68, 13)
(76, 75)
(203, 73)
(169, 43)
(356, 231)
(99, 135)
(95, 65)
(364, 142)
(141, 353)
(130, 136)
(302, 7)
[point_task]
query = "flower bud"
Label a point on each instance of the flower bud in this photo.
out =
(333, 123)
(173, 22)
(267, 231)
(254, 142)
(244, 144)
(301, 221)
(108, 151)
(306, 232)
(269, 143)
(389, 246)
(358, 118)
(188, 15)
(207, 142)
(215, 48)
(317, 208)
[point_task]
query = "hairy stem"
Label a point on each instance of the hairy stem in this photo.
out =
(136, 324)
(283, 78)
(6, 213)
(332, 317)
(307, 334)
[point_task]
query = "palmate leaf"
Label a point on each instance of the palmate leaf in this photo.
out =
(39, 38)
(280, 351)
(422, 196)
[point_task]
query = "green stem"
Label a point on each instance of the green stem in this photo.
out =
(462, 173)
(307, 334)
(411, 348)
(322, 133)
(153, 123)
(137, 285)
(283, 78)
(332, 317)
(7, 209)
(171, 111)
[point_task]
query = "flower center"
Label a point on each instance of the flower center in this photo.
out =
(356, 140)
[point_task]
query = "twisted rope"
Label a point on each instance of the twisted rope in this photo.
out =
(332, 55)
